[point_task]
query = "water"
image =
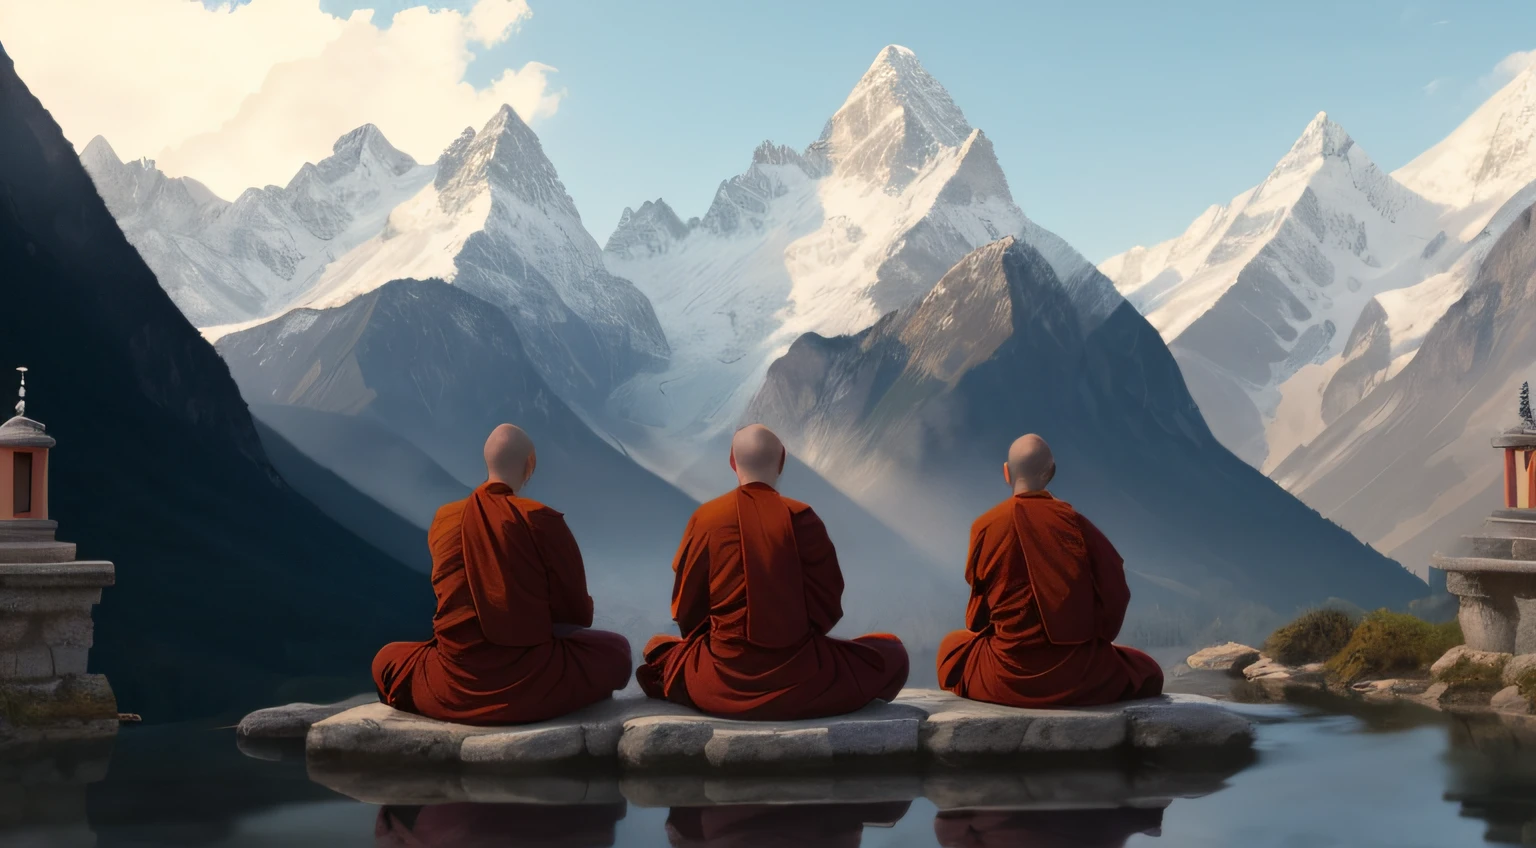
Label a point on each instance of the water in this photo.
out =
(1326, 774)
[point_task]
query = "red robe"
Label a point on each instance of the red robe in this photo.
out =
(757, 588)
(509, 644)
(1086, 828)
(1048, 596)
(460, 825)
(790, 825)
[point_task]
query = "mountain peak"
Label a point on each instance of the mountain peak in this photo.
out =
(99, 152)
(894, 121)
(647, 231)
(365, 141)
(1485, 160)
(506, 155)
(1321, 138)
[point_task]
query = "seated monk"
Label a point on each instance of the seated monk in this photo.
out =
(757, 588)
(1048, 595)
(510, 642)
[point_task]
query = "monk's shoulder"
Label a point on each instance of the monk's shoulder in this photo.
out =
(997, 516)
(446, 524)
(714, 513)
(537, 511)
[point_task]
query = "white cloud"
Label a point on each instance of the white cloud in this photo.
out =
(241, 96)
(1433, 86)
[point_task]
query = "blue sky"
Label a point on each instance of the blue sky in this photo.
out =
(1117, 123)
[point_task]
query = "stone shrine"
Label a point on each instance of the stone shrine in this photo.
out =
(1495, 579)
(46, 596)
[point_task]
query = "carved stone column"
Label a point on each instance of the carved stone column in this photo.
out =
(1489, 616)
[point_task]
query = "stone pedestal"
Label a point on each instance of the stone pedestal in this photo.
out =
(45, 639)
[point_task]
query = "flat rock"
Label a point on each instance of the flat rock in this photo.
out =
(1487, 659)
(294, 720)
(642, 736)
(1230, 658)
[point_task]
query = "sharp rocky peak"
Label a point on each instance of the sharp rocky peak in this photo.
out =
(1322, 139)
(646, 231)
(99, 152)
(894, 120)
(366, 140)
(504, 155)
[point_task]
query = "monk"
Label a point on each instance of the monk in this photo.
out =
(1048, 596)
(756, 590)
(510, 640)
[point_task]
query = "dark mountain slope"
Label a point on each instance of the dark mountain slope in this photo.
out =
(228, 582)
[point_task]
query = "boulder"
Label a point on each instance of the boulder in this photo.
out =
(1231, 658)
(642, 736)
(1518, 666)
(1493, 661)
(1509, 700)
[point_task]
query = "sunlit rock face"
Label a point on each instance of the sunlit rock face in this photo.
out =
(913, 417)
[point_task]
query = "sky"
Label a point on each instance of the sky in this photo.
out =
(1117, 123)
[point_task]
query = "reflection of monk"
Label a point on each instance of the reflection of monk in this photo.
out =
(1045, 828)
(793, 826)
(1048, 595)
(757, 588)
(509, 642)
(473, 825)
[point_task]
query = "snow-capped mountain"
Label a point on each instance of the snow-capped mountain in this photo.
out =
(497, 221)
(914, 415)
(865, 220)
(1257, 290)
(1409, 467)
(226, 263)
(1484, 162)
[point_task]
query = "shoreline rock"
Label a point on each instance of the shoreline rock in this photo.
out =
(1231, 658)
(640, 736)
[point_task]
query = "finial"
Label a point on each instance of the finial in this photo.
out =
(21, 394)
(1525, 407)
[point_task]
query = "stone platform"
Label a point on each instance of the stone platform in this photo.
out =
(637, 736)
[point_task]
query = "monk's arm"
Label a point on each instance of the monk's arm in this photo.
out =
(690, 582)
(823, 576)
(977, 615)
(569, 601)
(1113, 593)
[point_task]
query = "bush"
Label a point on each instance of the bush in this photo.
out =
(1388, 643)
(1468, 676)
(1314, 637)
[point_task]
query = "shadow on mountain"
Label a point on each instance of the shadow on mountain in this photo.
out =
(228, 582)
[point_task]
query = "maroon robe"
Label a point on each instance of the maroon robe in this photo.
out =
(1048, 596)
(1084, 828)
(509, 644)
(757, 588)
(790, 825)
(466, 825)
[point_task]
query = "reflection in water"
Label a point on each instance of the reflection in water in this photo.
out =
(466, 825)
(803, 826)
(1493, 775)
(1081, 828)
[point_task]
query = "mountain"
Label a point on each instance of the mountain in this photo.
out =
(497, 222)
(1409, 467)
(914, 415)
(229, 584)
(395, 392)
(1484, 162)
(864, 220)
(226, 263)
(1256, 291)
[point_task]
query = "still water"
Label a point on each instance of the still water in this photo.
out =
(1326, 775)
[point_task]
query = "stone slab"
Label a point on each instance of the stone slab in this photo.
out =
(294, 720)
(641, 736)
(1230, 658)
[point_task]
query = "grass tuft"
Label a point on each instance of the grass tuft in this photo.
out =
(1313, 637)
(1387, 643)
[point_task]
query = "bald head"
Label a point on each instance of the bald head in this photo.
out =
(1030, 465)
(757, 455)
(509, 456)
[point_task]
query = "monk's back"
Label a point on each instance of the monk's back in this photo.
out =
(717, 522)
(1001, 571)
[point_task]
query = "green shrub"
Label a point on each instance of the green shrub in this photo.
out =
(1388, 643)
(1314, 637)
